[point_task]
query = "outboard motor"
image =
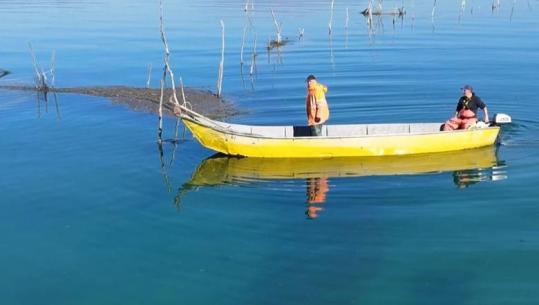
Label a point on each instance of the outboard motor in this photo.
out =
(501, 118)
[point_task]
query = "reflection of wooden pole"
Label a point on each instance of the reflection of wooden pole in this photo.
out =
(512, 10)
(163, 166)
(222, 63)
(176, 131)
(253, 59)
(3, 73)
(242, 45)
(58, 114)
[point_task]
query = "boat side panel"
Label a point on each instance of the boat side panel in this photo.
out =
(306, 147)
(208, 137)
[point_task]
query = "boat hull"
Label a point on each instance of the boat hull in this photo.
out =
(231, 143)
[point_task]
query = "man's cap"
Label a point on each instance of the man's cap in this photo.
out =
(310, 77)
(467, 87)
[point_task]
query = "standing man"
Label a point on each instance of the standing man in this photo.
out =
(317, 106)
(466, 112)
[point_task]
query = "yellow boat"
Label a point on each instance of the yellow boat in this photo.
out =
(221, 169)
(358, 140)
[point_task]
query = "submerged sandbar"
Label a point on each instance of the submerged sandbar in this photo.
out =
(147, 99)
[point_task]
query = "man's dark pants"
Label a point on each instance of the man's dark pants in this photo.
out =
(316, 130)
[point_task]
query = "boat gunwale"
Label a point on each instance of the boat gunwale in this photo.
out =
(258, 136)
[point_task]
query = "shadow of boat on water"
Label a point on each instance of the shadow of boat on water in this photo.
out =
(467, 167)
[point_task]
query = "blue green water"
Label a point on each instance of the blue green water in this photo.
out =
(90, 216)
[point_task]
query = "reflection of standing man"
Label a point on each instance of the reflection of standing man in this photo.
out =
(317, 106)
(316, 194)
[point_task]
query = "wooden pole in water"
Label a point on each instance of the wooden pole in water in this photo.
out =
(149, 75)
(278, 28)
(166, 58)
(331, 16)
(40, 82)
(34, 61)
(160, 128)
(222, 63)
(53, 68)
(369, 19)
(246, 7)
(163, 79)
(166, 69)
(186, 104)
(462, 8)
(347, 20)
(183, 93)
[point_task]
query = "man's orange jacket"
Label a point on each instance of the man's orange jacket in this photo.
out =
(317, 104)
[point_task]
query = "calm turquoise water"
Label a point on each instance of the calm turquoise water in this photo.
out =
(90, 215)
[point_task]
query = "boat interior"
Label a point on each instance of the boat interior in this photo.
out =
(345, 130)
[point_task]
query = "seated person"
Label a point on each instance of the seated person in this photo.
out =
(466, 112)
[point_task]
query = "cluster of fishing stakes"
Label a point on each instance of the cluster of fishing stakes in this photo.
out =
(373, 14)
(44, 82)
(173, 99)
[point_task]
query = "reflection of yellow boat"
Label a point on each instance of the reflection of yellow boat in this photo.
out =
(223, 169)
(362, 140)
